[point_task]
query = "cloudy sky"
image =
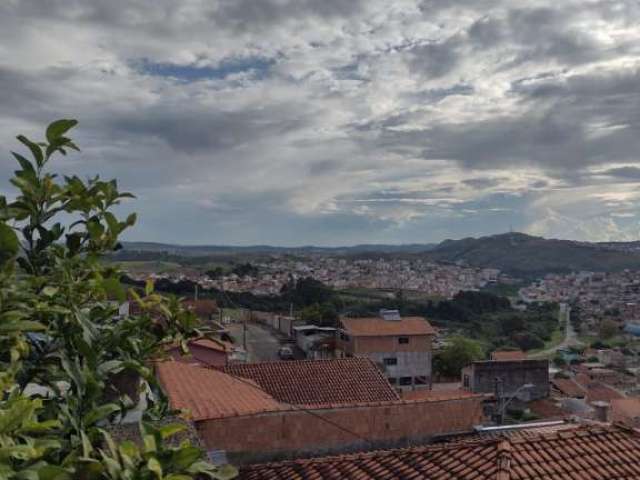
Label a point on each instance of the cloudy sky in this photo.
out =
(334, 122)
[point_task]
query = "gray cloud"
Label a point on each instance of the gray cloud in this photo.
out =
(338, 121)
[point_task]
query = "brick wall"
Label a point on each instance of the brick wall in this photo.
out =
(291, 434)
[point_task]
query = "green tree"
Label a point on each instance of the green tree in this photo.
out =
(608, 329)
(60, 336)
(460, 352)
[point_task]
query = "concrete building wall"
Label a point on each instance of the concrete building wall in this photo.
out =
(479, 377)
(290, 434)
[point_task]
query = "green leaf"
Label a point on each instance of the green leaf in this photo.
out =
(25, 164)
(100, 413)
(148, 287)
(36, 150)
(9, 244)
(114, 288)
(154, 465)
(58, 128)
(171, 429)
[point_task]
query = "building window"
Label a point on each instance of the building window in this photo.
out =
(390, 361)
(465, 381)
(403, 340)
(420, 380)
(393, 380)
(405, 380)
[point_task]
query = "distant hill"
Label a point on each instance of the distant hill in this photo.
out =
(205, 250)
(528, 256)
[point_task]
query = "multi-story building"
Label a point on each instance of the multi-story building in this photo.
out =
(401, 347)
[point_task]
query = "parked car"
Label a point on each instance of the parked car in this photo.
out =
(285, 353)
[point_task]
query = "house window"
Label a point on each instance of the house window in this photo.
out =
(390, 361)
(420, 380)
(465, 381)
(403, 340)
(393, 380)
(405, 380)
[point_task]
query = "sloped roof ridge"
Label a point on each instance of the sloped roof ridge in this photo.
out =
(504, 445)
(363, 455)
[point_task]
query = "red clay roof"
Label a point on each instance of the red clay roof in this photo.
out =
(207, 393)
(625, 409)
(426, 394)
(317, 382)
(593, 453)
(569, 387)
(203, 307)
(508, 355)
(599, 392)
(376, 326)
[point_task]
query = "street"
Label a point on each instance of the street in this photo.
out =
(262, 344)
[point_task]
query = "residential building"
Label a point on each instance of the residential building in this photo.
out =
(401, 347)
(588, 452)
(313, 382)
(205, 351)
(527, 379)
(625, 410)
(269, 412)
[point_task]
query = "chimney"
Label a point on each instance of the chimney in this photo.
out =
(601, 411)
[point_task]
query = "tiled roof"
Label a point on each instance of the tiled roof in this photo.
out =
(207, 393)
(593, 453)
(598, 392)
(317, 382)
(625, 408)
(376, 326)
(426, 394)
(203, 307)
(508, 355)
(568, 387)
(546, 408)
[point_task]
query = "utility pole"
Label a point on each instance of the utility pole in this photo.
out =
(499, 398)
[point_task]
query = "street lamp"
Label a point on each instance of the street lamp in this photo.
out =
(502, 404)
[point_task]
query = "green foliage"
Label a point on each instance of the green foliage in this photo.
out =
(457, 354)
(68, 366)
(607, 329)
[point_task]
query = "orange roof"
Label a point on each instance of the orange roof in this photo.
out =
(426, 394)
(599, 392)
(505, 355)
(594, 453)
(376, 326)
(317, 382)
(203, 307)
(569, 387)
(208, 393)
(625, 408)
(204, 342)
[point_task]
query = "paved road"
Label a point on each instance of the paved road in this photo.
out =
(262, 344)
(570, 337)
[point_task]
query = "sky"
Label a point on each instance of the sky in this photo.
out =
(338, 122)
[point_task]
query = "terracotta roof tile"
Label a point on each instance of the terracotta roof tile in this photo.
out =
(508, 355)
(317, 382)
(592, 453)
(569, 387)
(625, 409)
(207, 393)
(599, 392)
(426, 394)
(376, 326)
